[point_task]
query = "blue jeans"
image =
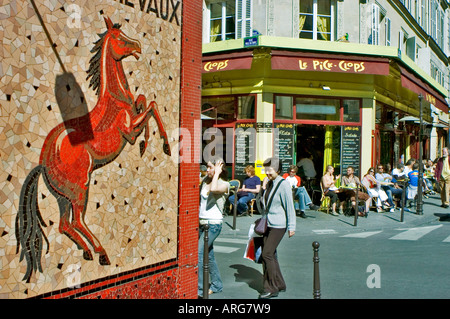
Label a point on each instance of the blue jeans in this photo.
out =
(214, 274)
(303, 199)
(241, 202)
(391, 191)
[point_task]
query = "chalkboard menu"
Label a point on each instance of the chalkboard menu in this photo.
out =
(351, 149)
(244, 148)
(284, 145)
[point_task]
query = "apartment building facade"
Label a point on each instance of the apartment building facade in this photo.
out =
(343, 81)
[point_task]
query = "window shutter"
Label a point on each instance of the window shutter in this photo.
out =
(239, 18)
(388, 32)
(375, 24)
(400, 40)
(243, 18)
(248, 18)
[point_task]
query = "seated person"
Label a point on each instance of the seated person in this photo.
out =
(386, 183)
(250, 188)
(299, 192)
(398, 172)
(308, 166)
(411, 190)
(350, 180)
(429, 177)
(374, 189)
(328, 183)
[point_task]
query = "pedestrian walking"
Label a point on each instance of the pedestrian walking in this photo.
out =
(442, 176)
(213, 193)
(280, 217)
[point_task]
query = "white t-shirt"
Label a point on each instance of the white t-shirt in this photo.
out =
(211, 205)
(292, 181)
(308, 167)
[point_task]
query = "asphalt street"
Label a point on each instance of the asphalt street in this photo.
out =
(379, 258)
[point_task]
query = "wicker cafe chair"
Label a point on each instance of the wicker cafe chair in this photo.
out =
(235, 184)
(325, 201)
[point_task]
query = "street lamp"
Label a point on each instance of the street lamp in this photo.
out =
(419, 207)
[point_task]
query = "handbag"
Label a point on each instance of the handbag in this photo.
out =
(261, 223)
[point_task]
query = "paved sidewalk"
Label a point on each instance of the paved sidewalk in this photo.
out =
(242, 278)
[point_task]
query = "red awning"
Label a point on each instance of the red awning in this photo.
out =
(304, 61)
(411, 82)
(227, 62)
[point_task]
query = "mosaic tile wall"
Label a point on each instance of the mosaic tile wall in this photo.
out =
(132, 202)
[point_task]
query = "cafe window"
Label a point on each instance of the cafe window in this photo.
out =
(316, 19)
(220, 108)
(317, 109)
(224, 107)
(301, 108)
(351, 110)
(246, 107)
(284, 108)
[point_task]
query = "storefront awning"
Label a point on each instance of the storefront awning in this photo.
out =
(306, 61)
(411, 82)
(227, 62)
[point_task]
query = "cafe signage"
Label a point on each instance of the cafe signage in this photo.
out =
(227, 64)
(329, 65)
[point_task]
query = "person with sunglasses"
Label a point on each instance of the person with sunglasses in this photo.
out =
(301, 196)
(387, 184)
(373, 188)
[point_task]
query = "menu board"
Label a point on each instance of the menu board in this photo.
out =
(284, 145)
(244, 148)
(351, 149)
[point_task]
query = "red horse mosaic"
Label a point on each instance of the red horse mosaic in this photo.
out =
(71, 152)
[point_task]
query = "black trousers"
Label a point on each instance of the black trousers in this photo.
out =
(273, 279)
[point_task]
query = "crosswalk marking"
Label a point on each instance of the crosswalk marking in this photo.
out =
(414, 233)
(224, 249)
(410, 234)
(363, 235)
(231, 240)
(324, 231)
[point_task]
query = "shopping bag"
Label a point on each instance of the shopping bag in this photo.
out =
(258, 243)
(250, 250)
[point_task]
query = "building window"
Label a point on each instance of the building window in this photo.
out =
(376, 17)
(433, 18)
(388, 32)
(440, 28)
(374, 37)
(437, 74)
(230, 19)
(218, 108)
(317, 109)
(316, 19)
(423, 14)
(246, 107)
(284, 108)
(223, 107)
(321, 109)
(402, 38)
(351, 110)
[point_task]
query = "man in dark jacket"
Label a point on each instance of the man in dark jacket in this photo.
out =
(442, 176)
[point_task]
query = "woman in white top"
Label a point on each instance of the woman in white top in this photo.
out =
(213, 193)
(373, 188)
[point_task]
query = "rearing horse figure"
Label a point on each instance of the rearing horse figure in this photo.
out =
(70, 155)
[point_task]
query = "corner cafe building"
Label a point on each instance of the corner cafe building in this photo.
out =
(344, 103)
